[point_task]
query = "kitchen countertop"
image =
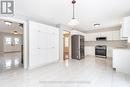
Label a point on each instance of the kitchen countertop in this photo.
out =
(122, 48)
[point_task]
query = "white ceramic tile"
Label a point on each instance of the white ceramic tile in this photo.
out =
(89, 72)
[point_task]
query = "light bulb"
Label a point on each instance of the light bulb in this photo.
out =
(73, 22)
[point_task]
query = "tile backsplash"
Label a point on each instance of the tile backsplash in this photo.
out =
(128, 45)
(117, 43)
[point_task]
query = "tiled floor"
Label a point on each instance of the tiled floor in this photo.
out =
(89, 72)
(10, 61)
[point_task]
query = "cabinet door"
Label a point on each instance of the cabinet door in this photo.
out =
(88, 37)
(103, 34)
(121, 35)
(91, 37)
(107, 34)
(42, 40)
(89, 50)
(126, 27)
(53, 46)
(109, 51)
(116, 35)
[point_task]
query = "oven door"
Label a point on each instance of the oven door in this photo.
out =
(101, 52)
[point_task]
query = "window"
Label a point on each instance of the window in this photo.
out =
(8, 40)
(17, 40)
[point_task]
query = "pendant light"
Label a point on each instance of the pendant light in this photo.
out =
(73, 21)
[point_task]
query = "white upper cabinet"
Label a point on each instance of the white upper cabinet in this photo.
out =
(91, 36)
(111, 35)
(106, 34)
(116, 35)
(121, 35)
(125, 31)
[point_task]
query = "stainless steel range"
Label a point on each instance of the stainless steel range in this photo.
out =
(101, 51)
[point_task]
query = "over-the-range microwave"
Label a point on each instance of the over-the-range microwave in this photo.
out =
(101, 38)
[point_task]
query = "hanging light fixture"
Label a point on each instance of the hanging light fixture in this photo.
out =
(73, 21)
(15, 32)
(8, 23)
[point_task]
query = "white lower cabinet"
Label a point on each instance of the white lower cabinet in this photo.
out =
(89, 50)
(121, 60)
(109, 51)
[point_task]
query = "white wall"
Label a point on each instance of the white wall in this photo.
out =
(1, 42)
(43, 44)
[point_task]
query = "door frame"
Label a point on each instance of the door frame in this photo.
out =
(25, 38)
(69, 44)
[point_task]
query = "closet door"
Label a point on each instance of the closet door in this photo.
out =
(43, 44)
(53, 46)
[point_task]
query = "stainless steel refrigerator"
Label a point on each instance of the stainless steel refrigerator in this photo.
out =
(77, 47)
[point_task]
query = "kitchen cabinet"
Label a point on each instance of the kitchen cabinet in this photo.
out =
(88, 37)
(121, 60)
(116, 35)
(90, 50)
(125, 30)
(109, 51)
(107, 34)
(121, 35)
(111, 35)
(43, 44)
(91, 36)
(103, 34)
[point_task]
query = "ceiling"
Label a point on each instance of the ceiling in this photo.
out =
(10, 28)
(108, 13)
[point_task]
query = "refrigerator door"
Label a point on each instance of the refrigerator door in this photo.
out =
(77, 46)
